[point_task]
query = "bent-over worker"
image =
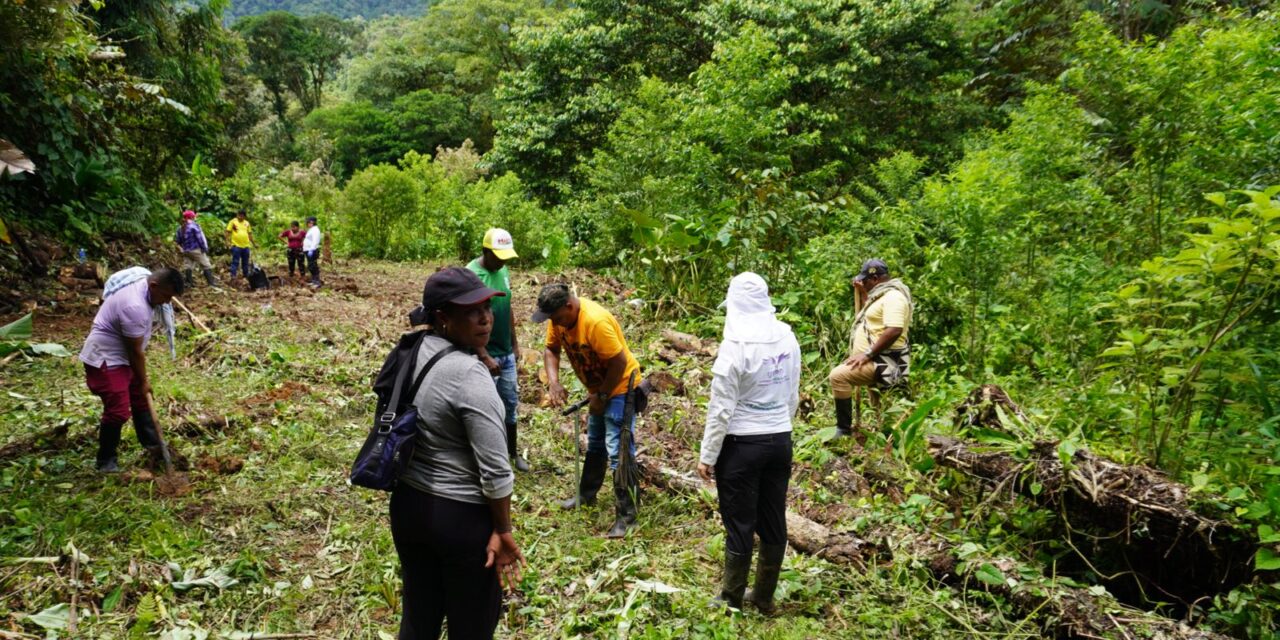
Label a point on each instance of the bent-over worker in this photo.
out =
(115, 358)
(598, 353)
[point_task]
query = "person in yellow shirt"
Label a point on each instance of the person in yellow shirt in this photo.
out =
(881, 352)
(239, 234)
(598, 353)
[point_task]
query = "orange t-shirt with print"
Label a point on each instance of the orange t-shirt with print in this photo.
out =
(590, 344)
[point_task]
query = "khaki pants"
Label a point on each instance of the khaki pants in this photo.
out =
(844, 378)
(195, 258)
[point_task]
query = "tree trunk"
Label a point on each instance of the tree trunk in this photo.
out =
(1139, 519)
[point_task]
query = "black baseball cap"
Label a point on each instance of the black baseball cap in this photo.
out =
(551, 298)
(454, 285)
(872, 268)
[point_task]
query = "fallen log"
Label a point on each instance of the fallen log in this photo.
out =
(804, 534)
(666, 382)
(1067, 612)
(1146, 519)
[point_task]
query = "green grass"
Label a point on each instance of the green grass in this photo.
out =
(311, 554)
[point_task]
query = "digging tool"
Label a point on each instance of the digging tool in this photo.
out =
(172, 483)
(164, 447)
(857, 391)
(626, 479)
(577, 440)
(194, 319)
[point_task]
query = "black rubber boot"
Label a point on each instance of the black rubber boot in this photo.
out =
(513, 451)
(108, 442)
(208, 277)
(844, 417)
(145, 427)
(734, 580)
(593, 468)
(625, 498)
(767, 569)
(186, 275)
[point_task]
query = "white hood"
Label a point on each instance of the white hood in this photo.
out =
(749, 314)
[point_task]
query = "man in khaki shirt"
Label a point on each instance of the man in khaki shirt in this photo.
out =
(880, 352)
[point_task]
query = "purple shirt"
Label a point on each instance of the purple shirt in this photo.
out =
(191, 237)
(126, 314)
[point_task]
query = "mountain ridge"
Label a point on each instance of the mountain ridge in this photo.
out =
(367, 9)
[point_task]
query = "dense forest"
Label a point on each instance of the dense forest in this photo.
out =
(367, 9)
(1083, 195)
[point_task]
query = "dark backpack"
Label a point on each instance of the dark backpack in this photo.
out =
(258, 278)
(395, 425)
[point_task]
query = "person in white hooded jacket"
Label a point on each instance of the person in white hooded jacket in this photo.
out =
(755, 389)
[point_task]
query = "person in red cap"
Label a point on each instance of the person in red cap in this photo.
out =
(451, 509)
(881, 354)
(195, 249)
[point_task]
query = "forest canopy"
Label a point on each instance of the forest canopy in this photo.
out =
(367, 9)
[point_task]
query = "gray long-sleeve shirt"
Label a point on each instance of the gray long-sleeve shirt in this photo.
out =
(461, 448)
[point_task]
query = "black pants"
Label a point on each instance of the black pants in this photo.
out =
(295, 260)
(313, 264)
(441, 544)
(752, 474)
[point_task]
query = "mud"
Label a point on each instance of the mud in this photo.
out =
(289, 391)
(221, 465)
(174, 484)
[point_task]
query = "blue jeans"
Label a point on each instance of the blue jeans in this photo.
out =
(241, 255)
(604, 433)
(507, 386)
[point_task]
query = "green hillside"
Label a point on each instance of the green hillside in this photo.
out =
(368, 9)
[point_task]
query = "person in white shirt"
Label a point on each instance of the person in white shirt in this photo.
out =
(755, 389)
(311, 249)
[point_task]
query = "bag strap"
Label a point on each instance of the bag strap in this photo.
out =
(417, 382)
(389, 415)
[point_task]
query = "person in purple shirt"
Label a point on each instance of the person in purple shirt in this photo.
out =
(115, 360)
(195, 249)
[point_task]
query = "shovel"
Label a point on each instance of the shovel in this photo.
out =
(172, 483)
(577, 441)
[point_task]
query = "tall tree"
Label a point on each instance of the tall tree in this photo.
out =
(460, 47)
(327, 40)
(295, 57)
(576, 75)
(275, 41)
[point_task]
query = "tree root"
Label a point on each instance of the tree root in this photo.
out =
(1135, 511)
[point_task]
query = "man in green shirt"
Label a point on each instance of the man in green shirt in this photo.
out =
(503, 351)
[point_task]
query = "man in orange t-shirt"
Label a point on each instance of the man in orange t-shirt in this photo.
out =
(598, 353)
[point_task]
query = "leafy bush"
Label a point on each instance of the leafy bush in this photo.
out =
(1189, 345)
(427, 209)
(374, 209)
